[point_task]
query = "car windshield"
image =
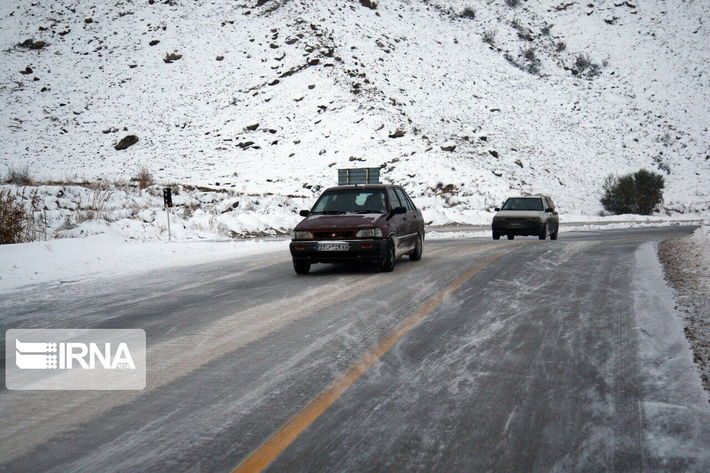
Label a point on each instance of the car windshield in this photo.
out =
(351, 201)
(522, 203)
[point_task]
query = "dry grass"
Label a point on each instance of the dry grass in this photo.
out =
(19, 176)
(144, 178)
(13, 219)
(96, 207)
(20, 222)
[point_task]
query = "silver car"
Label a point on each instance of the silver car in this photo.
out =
(526, 215)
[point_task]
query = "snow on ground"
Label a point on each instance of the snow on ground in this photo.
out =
(701, 240)
(674, 398)
(686, 263)
(63, 261)
(271, 99)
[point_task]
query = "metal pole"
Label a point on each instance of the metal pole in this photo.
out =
(167, 212)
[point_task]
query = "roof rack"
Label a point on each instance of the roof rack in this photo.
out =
(358, 176)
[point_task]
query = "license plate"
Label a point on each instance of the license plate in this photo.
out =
(332, 247)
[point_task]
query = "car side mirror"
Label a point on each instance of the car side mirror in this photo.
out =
(399, 210)
(304, 213)
(497, 209)
(550, 210)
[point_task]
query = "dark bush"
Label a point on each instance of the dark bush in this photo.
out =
(468, 12)
(637, 193)
(512, 3)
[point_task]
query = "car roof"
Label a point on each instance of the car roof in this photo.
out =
(526, 196)
(362, 187)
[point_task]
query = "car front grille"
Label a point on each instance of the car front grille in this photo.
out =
(336, 235)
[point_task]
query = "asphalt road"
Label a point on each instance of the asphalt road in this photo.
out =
(506, 356)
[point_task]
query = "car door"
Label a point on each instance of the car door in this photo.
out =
(417, 220)
(398, 221)
(410, 223)
(553, 221)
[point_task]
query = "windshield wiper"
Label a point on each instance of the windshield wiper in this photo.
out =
(368, 211)
(333, 212)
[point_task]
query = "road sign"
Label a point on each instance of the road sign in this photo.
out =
(168, 196)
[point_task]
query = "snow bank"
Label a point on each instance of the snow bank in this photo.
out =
(676, 410)
(64, 261)
(701, 238)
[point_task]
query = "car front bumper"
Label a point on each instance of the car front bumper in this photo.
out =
(360, 250)
(520, 227)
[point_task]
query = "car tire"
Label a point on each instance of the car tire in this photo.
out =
(510, 237)
(416, 254)
(496, 236)
(543, 233)
(301, 267)
(387, 263)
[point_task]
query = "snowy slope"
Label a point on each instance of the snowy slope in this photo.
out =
(328, 82)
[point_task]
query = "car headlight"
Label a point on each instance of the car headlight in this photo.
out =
(369, 233)
(298, 235)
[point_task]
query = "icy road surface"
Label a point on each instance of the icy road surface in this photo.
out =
(485, 356)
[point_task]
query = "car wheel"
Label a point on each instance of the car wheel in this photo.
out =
(543, 233)
(301, 267)
(387, 263)
(416, 255)
(496, 236)
(553, 236)
(510, 237)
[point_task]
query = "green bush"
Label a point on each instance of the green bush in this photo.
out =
(637, 193)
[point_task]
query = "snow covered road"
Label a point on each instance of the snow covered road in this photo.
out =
(485, 356)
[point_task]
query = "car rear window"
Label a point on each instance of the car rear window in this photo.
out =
(351, 201)
(523, 203)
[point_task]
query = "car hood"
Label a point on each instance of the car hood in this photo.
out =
(338, 222)
(519, 213)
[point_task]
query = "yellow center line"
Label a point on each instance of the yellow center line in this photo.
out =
(272, 447)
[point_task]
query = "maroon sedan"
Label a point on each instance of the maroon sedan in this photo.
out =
(374, 223)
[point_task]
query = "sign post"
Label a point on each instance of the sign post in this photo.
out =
(168, 202)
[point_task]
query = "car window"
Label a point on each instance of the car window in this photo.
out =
(394, 200)
(411, 202)
(523, 203)
(351, 201)
(403, 198)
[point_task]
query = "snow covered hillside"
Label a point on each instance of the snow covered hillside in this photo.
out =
(462, 102)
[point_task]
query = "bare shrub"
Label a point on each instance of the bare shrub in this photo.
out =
(582, 62)
(584, 65)
(512, 3)
(143, 178)
(561, 46)
(489, 36)
(528, 53)
(19, 176)
(13, 219)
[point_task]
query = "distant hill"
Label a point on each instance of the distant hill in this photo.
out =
(461, 102)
